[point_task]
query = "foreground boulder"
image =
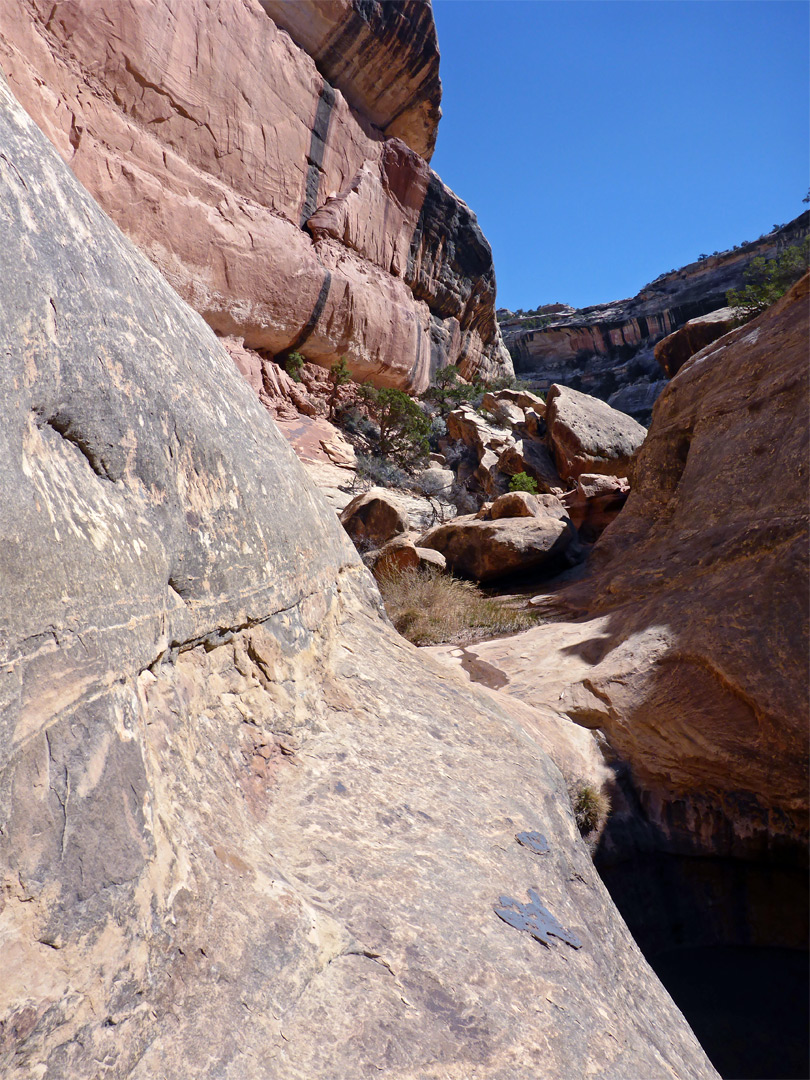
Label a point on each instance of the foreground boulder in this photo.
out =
(235, 808)
(487, 548)
(587, 435)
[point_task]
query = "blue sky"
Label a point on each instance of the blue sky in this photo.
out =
(604, 142)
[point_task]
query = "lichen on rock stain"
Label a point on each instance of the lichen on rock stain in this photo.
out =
(535, 919)
(534, 841)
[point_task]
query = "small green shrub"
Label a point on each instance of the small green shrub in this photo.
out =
(293, 363)
(355, 422)
(430, 608)
(768, 280)
(339, 375)
(404, 428)
(438, 430)
(523, 482)
(448, 390)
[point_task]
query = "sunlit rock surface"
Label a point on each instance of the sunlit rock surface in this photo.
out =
(693, 654)
(245, 830)
(220, 148)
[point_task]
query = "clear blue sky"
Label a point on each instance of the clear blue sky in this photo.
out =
(604, 142)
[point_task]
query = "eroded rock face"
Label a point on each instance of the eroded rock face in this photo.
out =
(587, 436)
(383, 57)
(216, 755)
(693, 660)
(373, 518)
(673, 352)
(213, 141)
(595, 502)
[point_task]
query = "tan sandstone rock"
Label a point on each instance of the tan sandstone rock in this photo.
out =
(383, 57)
(587, 435)
(673, 352)
(490, 549)
(534, 458)
(246, 831)
(373, 518)
(515, 504)
(693, 656)
(595, 502)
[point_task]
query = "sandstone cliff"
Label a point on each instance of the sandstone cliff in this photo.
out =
(291, 211)
(245, 830)
(607, 350)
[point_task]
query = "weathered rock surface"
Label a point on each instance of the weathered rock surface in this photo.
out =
(271, 204)
(587, 436)
(383, 57)
(515, 504)
(607, 350)
(393, 557)
(595, 502)
(487, 549)
(693, 657)
(535, 459)
(236, 808)
(373, 518)
(673, 352)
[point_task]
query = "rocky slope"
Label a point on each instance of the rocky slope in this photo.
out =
(293, 212)
(235, 808)
(691, 651)
(607, 350)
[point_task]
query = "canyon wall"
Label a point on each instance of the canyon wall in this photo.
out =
(284, 195)
(236, 809)
(691, 653)
(607, 350)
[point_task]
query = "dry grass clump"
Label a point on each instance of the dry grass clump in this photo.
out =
(591, 806)
(431, 608)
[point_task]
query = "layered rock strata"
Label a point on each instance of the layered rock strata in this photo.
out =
(235, 808)
(265, 195)
(607, 350)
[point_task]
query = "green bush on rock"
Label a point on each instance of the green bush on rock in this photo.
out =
(768, 280)
(523, 482)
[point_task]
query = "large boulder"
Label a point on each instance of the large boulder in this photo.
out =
(587, 436)
(595, 502)
(217, 756)
(516, 504)
(487, 549)
(372, 518)
(265, 193)
(673, 352)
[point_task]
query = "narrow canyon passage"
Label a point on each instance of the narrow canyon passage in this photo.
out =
(728, 939)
